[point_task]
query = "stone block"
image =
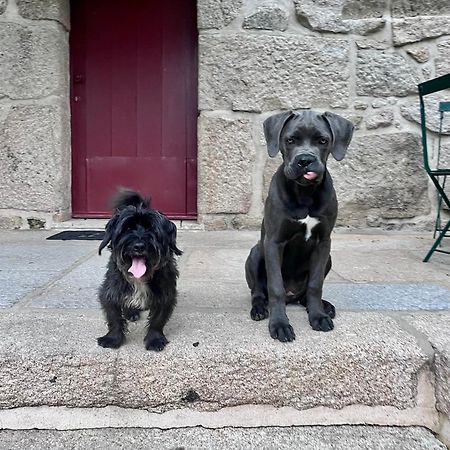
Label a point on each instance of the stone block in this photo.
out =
(10, 222)
(411, 112)
(225, 164)
(255, 73)
(268, 16)
(383, 74)
(234, 363)
(360, 105)
(341, 16)
(373, 44)
(442, 60)
(35, 158)
(33, 61)
(217, 13)
(382, 174)
(230, 438)
(380, 119)
(58, 10)
(414, 8)
(420, 54)
(436, 327)
(416, 29)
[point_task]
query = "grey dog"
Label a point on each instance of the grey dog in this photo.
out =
(292, 258)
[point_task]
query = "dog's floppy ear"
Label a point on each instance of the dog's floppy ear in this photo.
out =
(171, 230)
(342, 131)
(273, 126)
(108, 234)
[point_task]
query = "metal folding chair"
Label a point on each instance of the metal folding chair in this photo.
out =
(438, 175)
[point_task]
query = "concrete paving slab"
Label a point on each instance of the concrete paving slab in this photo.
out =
(78, 288)
(305, 438)
(28, 262)
(387, 297)
(214, 360)
(388, 266)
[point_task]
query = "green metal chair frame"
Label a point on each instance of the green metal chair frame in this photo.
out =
(436, 175)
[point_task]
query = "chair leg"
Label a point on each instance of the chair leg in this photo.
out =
(437, 242)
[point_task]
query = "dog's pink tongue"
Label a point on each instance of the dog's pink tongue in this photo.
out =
(138, 267)
(310, 175)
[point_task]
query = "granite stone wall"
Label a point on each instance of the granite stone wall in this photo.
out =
(256, 57)
(360, 59)
(34, 113)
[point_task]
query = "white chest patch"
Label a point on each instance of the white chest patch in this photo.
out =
(140, 297)
(310, 223)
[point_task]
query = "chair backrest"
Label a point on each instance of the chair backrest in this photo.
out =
(426, 88)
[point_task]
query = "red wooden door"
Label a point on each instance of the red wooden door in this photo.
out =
(134, 103)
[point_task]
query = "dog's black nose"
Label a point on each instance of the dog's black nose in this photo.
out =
(304, 160)
(139, 247)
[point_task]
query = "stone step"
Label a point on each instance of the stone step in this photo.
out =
(370, 368)
(305, 438)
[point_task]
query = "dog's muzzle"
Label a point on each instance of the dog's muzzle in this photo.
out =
(304, 169)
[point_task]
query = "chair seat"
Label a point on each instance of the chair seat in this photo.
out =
(439, 172)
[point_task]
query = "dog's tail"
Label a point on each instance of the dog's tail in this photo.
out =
(127, 197)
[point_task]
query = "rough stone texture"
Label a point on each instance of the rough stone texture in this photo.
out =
(225, 165)
(34, 61)
(380, 119)
(437, 329)
(382, 74)
(252, 73)
(10, 223)
(443, 58)
(382, 175)
(235, 362)
(420, 54)
(217, 13)
(413, 8)
(306, 438)
(358, 104)
(268, 16)
(411, 112)
(34, 158)
(58, 10)
(370, 43)
(3, 5)
(341, 16)
(409, 30)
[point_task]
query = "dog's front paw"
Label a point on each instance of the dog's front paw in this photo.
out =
(281, 330)
(329, 309)
(111, 340)
(259, 312)
(320, 321)
(155, 341)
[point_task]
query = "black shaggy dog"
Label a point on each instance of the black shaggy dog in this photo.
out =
(142, 272)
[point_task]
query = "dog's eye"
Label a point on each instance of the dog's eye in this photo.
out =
(323, 141)
(289, 141)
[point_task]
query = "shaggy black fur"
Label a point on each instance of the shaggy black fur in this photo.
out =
(142, 272)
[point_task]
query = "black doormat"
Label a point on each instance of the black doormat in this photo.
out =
(83, 235)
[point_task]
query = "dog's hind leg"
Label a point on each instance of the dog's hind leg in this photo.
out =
(116, 326)
(255, 273)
